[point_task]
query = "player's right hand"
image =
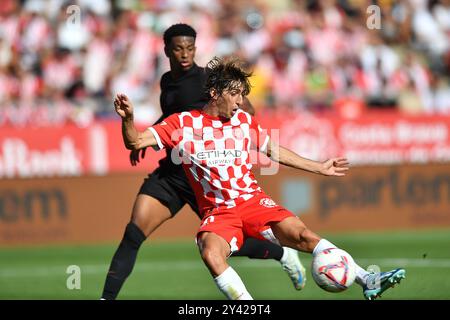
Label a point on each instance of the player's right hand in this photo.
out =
(123, 106)
(134, 156)
(335, 167)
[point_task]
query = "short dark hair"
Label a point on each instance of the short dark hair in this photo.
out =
(225, 74)
(179, 29)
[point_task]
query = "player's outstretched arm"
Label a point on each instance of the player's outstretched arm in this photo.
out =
(132, 138)
(331, 167)
(136, 155)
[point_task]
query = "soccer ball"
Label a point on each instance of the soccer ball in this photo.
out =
(333, 270)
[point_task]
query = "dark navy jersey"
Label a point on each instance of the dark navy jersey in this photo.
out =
(183, 94)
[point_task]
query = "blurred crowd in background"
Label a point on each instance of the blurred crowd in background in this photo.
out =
(57, 67)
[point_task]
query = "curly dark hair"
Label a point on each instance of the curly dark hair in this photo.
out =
(179, 29)
(227, 74)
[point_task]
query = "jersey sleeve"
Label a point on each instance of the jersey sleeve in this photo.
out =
(259, 136)
(167, 132)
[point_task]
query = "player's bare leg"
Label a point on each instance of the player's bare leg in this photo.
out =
(148, 213)
(214, 251)
(292, 232)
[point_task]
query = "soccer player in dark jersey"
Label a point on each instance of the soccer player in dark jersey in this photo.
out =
(166, 190)
(215, 144)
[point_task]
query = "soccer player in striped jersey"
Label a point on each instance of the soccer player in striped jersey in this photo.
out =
(214, 146)
(166, 190)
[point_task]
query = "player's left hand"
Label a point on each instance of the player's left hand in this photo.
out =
(134, 156)
(335, 167)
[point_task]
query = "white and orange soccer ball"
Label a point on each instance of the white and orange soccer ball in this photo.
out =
(333, 270)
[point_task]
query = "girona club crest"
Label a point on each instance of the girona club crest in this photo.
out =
(267, 202)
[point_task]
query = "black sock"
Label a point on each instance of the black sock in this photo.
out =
(123, 261)
(259, 249)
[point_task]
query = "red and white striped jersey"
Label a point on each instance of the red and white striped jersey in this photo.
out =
(215, 154)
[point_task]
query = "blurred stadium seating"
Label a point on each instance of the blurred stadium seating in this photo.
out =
(306, 55)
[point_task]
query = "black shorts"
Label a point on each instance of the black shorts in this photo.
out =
(169, 184)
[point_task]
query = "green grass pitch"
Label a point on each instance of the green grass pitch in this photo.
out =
(174, 270)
